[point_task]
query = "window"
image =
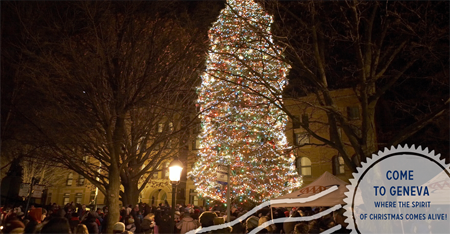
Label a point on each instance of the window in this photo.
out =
(296, 122)
(78, 198)
(196, 144)
(69, 179)
(193, 198)
(304, 166)
(170, 126)
(305, 120)
(165, 171)
(81, 180)
(197, 128)
(139, 143)
(66, 198)
(155, 175)
(160, 127)
(353, 112)
(339, 132)
(338, 165)
(157, 146)
(301, 139)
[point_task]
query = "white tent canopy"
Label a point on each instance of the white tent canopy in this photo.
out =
(439, 189)
(325, 181)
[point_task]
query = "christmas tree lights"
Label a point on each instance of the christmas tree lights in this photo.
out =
(240, 127)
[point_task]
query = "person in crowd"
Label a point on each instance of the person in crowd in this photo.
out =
(119, 228)
(81, 210)
(162, 220)
(123, 215)
(81, 229)
(69, 213)
(219, 221)
(36, 216)
(130, 225)
(14, 226)
(74, 221)
(21, 216)
(56, 225)
(177, 216)
(288, 225)
(187, 223)
(301, 228)
(314, 227)
(105, 221)
(268, 229)
(196, 214)
(91, 223)
(137, 217)
(206, 219)
(251, 223)
(148, 224)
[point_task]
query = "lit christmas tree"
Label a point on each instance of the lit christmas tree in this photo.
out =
(241, 128)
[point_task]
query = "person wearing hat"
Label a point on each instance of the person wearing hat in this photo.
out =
(187, 223)
(177, 216)
(13, 225)
(130, 226)
(119, 228)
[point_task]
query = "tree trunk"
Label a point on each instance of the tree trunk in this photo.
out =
(371, 144)
(131, 193)
(113, 198)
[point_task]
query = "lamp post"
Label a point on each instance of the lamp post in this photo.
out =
(175, 169)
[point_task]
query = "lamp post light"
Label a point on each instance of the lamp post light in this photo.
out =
(175, 169)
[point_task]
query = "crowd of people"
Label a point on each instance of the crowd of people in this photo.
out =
(145, 219)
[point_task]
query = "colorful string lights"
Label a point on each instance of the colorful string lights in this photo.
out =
(240, 127)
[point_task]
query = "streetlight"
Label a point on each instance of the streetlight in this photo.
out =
(175, 169)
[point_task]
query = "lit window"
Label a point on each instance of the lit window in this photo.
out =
(66, 198)
(304, 166)
(338, 165)
(81, 180)
(69, 179)
(165, 171)
(140, 142)
(160, 127)
(193, 197)
(78, 198)
(196, 144)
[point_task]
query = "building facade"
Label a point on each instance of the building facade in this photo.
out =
(313, 158)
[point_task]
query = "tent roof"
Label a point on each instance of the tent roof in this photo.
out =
(438, 187)
(325, 181)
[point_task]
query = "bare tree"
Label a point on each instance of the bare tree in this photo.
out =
(112, 83)
(373, 47)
